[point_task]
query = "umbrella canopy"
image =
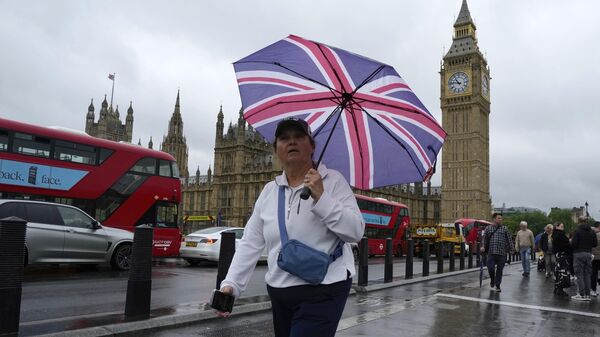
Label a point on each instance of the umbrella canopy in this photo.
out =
(365, 118)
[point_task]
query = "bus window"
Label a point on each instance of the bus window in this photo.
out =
(104, 154)
(74, 152)
(145, 165)
(164, 168)
(3, 140)
(31, 145)
(175, 170)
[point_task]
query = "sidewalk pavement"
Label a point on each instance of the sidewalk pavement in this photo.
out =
(440, 305)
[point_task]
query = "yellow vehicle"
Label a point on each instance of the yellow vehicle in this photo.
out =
(433, 234)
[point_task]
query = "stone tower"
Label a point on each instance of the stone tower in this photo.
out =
(174, 142)
(109, 124)
(465, 104)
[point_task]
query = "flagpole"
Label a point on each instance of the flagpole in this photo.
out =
(113, 89)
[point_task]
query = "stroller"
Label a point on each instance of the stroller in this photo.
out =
(541, 263)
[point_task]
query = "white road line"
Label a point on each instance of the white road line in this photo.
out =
(388, 310)
(519, 305)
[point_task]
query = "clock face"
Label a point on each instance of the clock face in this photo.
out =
(484, 85)
(458, 83)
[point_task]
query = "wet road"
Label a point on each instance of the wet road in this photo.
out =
(454, 306)
(58, 292)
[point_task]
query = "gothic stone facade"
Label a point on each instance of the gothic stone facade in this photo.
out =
(109, 124)
(465, 104)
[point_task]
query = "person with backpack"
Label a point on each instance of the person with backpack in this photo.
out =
(497, 244)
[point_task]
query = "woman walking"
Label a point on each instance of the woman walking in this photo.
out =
(562, 251)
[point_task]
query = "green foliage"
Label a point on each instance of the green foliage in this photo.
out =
(564, 216)
(535, 221)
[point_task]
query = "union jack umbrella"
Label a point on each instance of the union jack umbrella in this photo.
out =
(371, 125)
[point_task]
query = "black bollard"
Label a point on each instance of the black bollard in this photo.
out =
(451, 256)
(425, 258)
(409, 259)
(139, 285)
(440, 258)
(462, 256)
(12, 251)
(363, 262)
(389, 262)
(470, 259)
(226, 252)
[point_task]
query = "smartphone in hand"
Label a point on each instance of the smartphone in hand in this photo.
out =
(221, 301)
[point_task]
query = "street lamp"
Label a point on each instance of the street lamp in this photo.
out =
(586, 210)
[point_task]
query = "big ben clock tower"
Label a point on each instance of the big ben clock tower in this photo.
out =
(465, 104)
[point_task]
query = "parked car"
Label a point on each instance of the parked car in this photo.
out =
(59, 233)
(205, 245)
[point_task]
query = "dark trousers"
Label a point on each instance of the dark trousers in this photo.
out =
(595, 268)
(308, 310)
(495, 266)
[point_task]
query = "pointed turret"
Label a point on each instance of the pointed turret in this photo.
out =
(198, 175)
(150, 144)
(140, 142)
(208, 175)
(91, 108)
(464, 17)
(117, 114)
(220, 126)
(464, 40)
(104, 103)
(129, 121)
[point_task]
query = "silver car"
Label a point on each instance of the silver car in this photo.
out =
(59, 233)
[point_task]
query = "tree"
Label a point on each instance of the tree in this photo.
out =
(562, 215)
(535, 221)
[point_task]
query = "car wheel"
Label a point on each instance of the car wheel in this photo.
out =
(399, 251)
(121, 255)
(193, 263)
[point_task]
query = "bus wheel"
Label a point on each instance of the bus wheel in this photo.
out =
(399, 251)
(120, 258)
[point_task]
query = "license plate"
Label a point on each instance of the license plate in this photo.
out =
(191, 244)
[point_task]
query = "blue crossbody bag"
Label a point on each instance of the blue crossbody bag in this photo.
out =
(299, 259)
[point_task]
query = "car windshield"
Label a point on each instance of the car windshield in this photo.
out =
(210, 230)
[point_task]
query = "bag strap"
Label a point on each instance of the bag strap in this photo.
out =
(281, 216)
(337, 252)
(489, 238)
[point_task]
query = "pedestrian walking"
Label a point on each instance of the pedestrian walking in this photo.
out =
(547, 248)
(584, 240)
(301, 306)
(524, 244)
(562, 251)
(497, 244)
(595, 261)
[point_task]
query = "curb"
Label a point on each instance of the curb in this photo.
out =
(195, 316)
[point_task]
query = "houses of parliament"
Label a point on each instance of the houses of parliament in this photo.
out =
(244, 162)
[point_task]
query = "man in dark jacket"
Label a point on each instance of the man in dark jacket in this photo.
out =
(582, 243)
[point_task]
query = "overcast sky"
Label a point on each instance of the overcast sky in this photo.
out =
(544, 59)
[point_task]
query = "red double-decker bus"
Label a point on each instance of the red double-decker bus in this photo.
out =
(384, 219)
(472, 228)
(120, 184)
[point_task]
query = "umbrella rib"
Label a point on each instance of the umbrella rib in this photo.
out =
(368, 79)
(393, 137)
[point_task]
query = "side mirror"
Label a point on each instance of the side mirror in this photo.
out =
(95, 225)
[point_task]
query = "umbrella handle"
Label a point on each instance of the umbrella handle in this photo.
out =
(305, 193)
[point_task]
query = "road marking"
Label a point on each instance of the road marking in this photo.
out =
(389, 310)
(519, 305)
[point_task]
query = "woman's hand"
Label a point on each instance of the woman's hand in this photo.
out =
(314, 182)
(229, 291)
